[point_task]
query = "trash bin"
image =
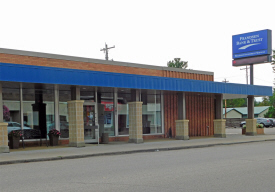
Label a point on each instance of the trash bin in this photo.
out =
(105, 138)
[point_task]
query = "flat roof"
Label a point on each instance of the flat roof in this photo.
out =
(99, 61)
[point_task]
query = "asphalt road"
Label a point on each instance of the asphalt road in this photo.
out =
(244, 167)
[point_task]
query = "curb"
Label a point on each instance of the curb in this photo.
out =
(125, 152)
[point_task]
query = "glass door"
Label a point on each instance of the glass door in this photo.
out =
(90, 122)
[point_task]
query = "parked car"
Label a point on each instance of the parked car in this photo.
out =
(242, 123)
(272, 121)
(264, 121)
(12, 126)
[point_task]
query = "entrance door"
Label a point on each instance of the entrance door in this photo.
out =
(90, 122)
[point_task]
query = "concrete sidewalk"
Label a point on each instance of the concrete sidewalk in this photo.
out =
(115, 148)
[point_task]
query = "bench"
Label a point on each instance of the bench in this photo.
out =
(32, 134)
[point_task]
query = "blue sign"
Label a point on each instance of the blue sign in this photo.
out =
(252, 44)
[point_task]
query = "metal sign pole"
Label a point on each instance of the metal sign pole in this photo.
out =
(251, 74)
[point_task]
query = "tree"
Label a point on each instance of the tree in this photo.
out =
(177, 63)
(231, 103)
(271, 110)
(264, 102)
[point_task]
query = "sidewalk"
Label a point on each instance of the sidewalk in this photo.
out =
(115, 148)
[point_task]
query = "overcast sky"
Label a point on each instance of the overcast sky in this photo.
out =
(145, 32)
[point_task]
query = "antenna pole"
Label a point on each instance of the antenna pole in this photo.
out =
(105, 50)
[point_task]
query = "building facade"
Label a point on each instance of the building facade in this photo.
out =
(84, 98)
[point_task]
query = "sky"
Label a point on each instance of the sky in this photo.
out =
(146, 32)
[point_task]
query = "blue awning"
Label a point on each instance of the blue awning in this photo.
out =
(52, 75)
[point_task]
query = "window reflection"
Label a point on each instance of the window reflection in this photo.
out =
(151, 114)
(11, 108)
(123, 113)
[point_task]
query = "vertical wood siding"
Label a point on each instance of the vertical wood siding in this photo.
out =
(199, 107)
(200, 113)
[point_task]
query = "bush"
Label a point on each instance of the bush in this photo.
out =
(257, 126)
(15, 133)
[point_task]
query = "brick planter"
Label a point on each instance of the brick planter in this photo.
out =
(14, 142)
(260, 131)
(53, 140)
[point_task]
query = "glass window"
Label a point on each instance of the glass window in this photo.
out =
(151, 113)
(123, 113)
(64, 97)
(38, 107)
(106, 113)
(11, 107)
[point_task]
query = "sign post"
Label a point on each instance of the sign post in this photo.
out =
(249, 49)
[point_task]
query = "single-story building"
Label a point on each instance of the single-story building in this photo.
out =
(84, 98)
(241, 112)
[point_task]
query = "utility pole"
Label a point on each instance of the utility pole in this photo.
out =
(106, 50)
(225, 100)
(246, 68)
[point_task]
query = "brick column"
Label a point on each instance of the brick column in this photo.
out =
(182, 130)
(219, 122)
(251, 129)
(4, 148)
(219, 128)
(135, 122)
(76, 124)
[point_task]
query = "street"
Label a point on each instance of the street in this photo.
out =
(241, 167)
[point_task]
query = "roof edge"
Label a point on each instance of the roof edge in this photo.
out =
(99, 61)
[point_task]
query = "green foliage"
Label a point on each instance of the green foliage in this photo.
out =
(271, 110)
(257, 126)
(231, 103)
(264, 102)
(177, 63)
(270, 113)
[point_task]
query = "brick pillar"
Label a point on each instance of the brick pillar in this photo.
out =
(182, 130)
(135, 122)
(219, 122)
(219, 128)
(4, 148)
(251, 129)
(76, 124)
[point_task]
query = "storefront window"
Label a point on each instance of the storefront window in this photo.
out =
(123, 113)
(11, 106)
(151, 113)
(64, 97)
(38, 107)
(106, 113)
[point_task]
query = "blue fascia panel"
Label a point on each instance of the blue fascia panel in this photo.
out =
(52, 75)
